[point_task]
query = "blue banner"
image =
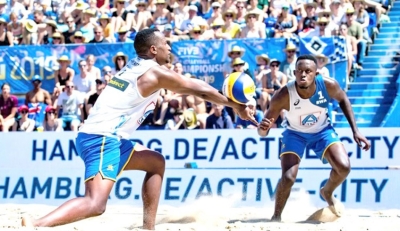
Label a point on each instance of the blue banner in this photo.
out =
(208, 60)
(19, 64)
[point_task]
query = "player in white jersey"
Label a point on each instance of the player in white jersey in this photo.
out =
(103, 141)
(305, 103)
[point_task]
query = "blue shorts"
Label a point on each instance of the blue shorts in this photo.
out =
(71, 119)
(106, 155)
(296, 142)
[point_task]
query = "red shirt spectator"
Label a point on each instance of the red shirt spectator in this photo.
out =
(8, 108)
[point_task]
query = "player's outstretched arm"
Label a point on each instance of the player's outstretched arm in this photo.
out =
(278, 102)
(335, 92)
(177, 83)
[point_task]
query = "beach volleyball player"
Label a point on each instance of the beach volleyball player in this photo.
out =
(307, 123)
(103, 141)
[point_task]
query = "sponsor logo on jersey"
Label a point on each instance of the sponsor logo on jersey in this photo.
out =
(310, 119)
(118, 84)
(296, 102)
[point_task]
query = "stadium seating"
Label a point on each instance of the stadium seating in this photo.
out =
(374, 89)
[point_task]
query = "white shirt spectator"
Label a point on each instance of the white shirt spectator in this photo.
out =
(86, 84)
(19, 10)
(70, 104)
(188, 24)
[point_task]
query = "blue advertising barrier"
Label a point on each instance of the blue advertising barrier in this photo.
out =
(205, 59)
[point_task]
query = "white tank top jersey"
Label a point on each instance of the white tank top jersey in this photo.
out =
(307, 115)
(120, 108)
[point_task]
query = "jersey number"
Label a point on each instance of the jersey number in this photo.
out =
(320, 95)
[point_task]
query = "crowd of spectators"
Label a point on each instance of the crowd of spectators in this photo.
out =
(37, 22)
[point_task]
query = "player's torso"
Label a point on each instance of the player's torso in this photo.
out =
(307, 115)
(120, 108)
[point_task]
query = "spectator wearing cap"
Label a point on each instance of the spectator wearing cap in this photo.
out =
(38, 94)
(6, 37)
(23, 124)
(177, 121)
(63, 74)
(332, 26)
(216, 14)
(337, 11)
(15, 28)
(241, 14)
(123, 35)
(253, 7)
(8, 108)
(308, 22)
(188, 24)
(76, 10)
(161, 16)
(71, 103)
(169, 36)
(71, 30)
(258, 115)
(121, 16)
(289, 64)
(220, 119)
(142, 16)
(355, 30)
(253, 28)
(99, 36)
(51, 123)
(93, 98)
(271, 82)
(30, 33)
(286, 23)
(231, 28)
(106, 74)
(120, 59)
(322, 60)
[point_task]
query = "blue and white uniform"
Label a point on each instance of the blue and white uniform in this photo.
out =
(103, 141)
(307, 122)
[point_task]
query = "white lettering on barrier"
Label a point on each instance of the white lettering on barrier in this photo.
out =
(256, 188)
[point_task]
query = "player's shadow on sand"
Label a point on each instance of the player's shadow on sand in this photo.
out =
(255, 220)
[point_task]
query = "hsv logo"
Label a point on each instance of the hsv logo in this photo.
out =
(147, 110)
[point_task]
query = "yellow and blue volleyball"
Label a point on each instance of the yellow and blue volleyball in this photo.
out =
(239, 87)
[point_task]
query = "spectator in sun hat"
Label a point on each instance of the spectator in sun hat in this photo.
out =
(64, 73)
(320, 29)
(30, 33)
(23, 124)
(289, 64)
(123, 35)
(310, 18)
(190, 119)
(119, 60)
(189, 23)
(262, 68)
(169, 36)
(322, 60)
(235, 52)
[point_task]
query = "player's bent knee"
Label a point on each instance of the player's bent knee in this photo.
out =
(343, 168)
(288, 178)
(97, 208)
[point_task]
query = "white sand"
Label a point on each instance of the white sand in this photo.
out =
(210, 214)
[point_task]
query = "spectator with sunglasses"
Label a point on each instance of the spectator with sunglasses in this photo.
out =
(24, 124)
(51, 123)
(106, 74)
(216, 15)
(240, 14)
(320, 30)
(71, 103)
(231, 28)
(99, 36)
(188, 24)
(71, 30)
(84, 81)
(289, 64)
(92, 99)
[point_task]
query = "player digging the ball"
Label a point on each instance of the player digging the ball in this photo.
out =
(307, 124)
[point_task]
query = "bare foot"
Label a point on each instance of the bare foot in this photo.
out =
(276, 218)
(334, 205)
(27, 222)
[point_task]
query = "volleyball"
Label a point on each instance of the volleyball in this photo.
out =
(239, 87)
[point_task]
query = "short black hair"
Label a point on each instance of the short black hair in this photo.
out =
(144, 40)
(307, 57)
(5, 84)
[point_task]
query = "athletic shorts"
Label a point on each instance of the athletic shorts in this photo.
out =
(106, 155)
(296, 142)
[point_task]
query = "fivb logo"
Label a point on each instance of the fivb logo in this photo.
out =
(187, 52)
